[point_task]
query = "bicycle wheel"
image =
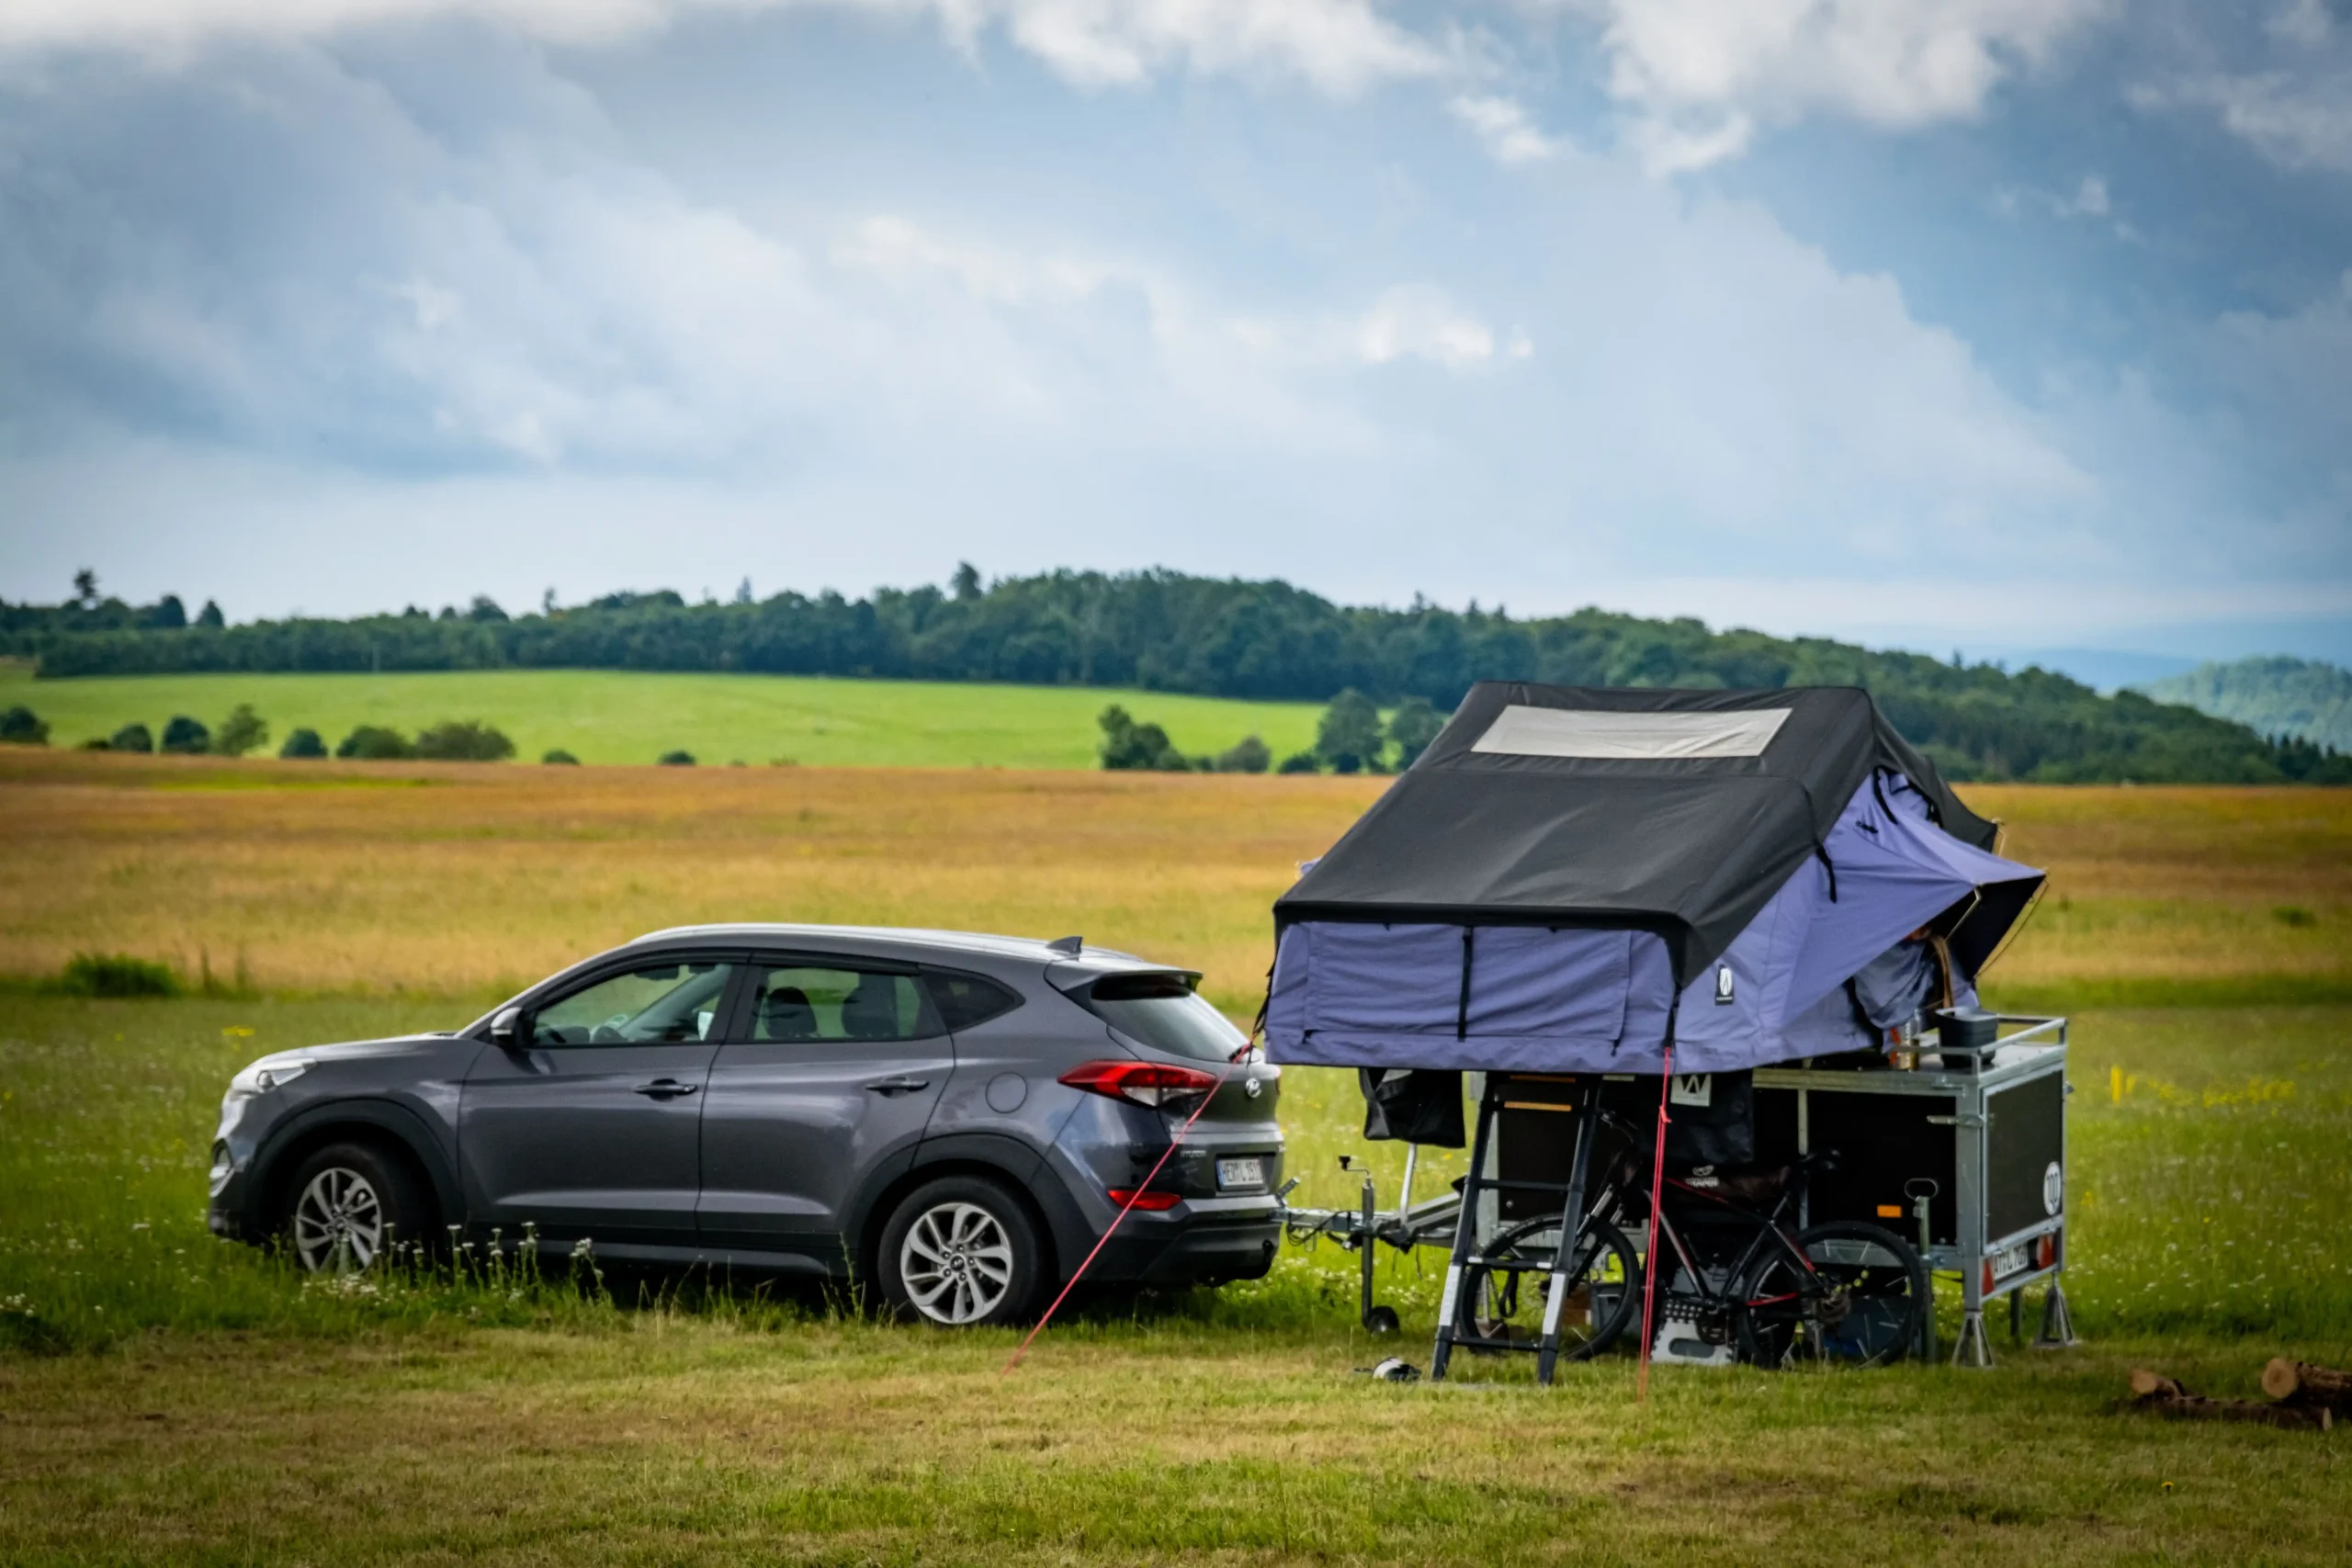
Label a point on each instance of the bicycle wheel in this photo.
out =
(1503, 1304)
(1860, 1302)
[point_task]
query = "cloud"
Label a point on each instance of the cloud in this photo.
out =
(2283, 87)
(337, 285)
(1422, 322)
(492, 291)
(2303, 23)
(2291, 375)
(2299, 118)
(898, 249)
(2090, 202)
(1338, 47)
(1510, 134)
(1701, 77)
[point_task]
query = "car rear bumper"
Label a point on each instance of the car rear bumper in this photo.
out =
(1201, 1241)
(1211, 1254)
(1186, 1254)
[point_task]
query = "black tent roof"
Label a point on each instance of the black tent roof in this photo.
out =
(1676, 811)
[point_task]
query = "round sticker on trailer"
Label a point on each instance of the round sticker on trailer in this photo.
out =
(2054, 1188)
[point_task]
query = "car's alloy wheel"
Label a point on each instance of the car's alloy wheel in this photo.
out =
(962, 1252)
(957, 1263)
(349, 1202)
(338, 1221)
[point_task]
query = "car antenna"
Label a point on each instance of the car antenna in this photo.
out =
(1070, 945)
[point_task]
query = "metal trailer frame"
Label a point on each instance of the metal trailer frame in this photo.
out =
(1986, 1265)
(2036, 1048)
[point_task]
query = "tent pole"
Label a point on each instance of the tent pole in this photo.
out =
(1649, 1256)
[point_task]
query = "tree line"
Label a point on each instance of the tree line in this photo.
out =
(1351, 738)
(243, 732)
(1167, 631)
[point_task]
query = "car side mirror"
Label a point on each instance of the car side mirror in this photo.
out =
(506, 1027)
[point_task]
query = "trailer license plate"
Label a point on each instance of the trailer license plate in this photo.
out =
(2012, 1261)
(1250, 1172)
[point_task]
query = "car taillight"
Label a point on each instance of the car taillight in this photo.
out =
(1155, 1084)
(1148, 1201)
(2045, 1251)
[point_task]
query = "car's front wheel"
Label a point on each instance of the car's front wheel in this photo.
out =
(961, 1252)
(349, 1201)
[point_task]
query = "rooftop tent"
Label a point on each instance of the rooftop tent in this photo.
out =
(1570, 879)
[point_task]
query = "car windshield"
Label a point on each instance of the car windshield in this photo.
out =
(1164, 1012)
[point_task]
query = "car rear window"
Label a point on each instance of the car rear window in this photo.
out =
(1163, 1011)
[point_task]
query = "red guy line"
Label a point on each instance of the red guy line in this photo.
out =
(1139, 1191)
(1657, 1202)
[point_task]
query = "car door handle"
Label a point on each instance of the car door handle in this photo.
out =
(666, 1089)
(898, 1086)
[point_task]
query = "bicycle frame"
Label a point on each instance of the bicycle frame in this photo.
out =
(1768, 1228)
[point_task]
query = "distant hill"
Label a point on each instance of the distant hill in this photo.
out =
(2299, 697)
(1164, 631)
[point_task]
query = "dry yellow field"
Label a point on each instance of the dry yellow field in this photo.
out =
(470, 880)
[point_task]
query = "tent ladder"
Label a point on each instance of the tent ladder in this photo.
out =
(1454, 1331)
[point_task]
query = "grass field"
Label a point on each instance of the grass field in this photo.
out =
(610, 716)
(217, 1411)
(207, 1407)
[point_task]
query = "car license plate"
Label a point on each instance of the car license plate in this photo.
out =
(2012, 1261)
(1247, 1172)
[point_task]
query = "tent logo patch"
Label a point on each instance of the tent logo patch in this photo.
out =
(1723, 985)
(1694, 1088)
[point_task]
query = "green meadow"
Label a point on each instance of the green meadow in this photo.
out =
(605, 716)
(165, 1397)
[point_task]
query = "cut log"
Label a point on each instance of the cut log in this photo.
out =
(2147, 1385)
(2300, 1382)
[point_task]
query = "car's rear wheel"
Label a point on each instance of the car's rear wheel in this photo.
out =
(961, 1252)
(348, 1203)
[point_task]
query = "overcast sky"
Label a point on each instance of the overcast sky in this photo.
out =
(2005, 324)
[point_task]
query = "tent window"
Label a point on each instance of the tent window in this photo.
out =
(1580, 732)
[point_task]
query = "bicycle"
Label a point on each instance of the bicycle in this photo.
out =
(1845, 1291)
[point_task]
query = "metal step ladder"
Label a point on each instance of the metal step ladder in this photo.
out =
(1453, 1329)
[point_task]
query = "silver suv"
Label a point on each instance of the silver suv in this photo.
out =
(955, 1119)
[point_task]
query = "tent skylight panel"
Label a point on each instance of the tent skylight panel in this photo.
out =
(1524, 731)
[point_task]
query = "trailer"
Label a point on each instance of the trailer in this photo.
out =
(1969, 1157)
(1760, 889)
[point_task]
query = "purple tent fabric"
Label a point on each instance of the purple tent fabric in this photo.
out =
(1579, 999)
(1365, 995)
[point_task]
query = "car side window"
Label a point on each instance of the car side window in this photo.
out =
(657, 1004)
(818, 1003)
(965, 1001)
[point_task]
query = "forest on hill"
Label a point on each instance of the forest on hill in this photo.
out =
(1167, 631)
(2306, 699)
